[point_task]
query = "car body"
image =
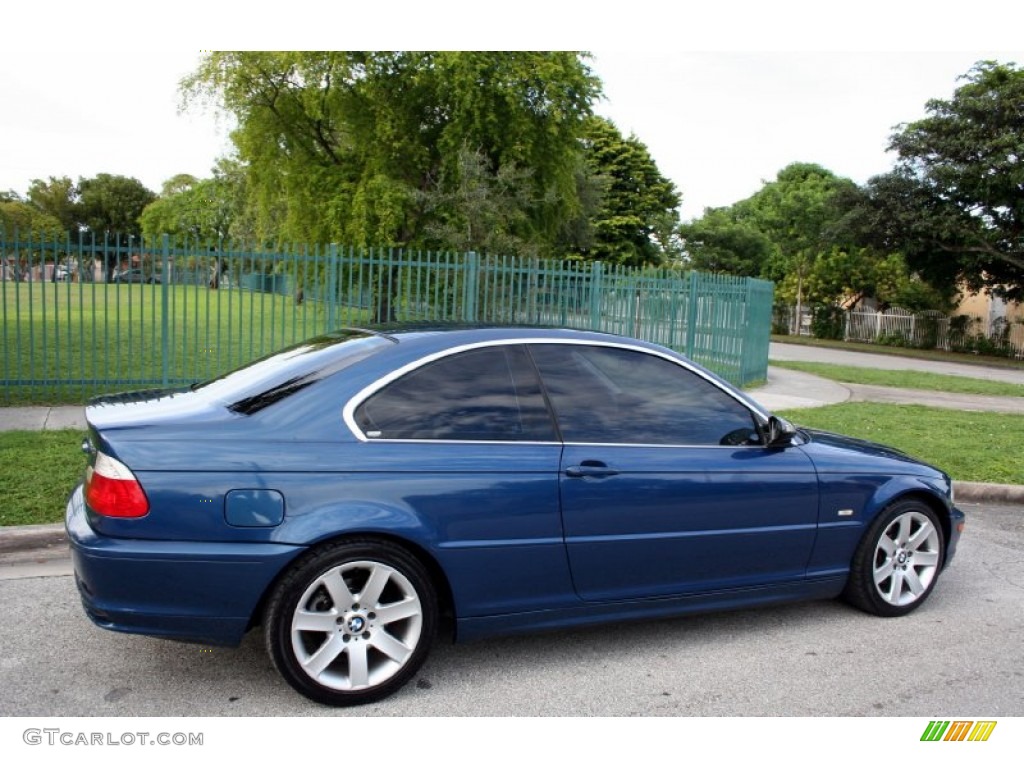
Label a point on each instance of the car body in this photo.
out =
(135, 275)
(349, 492)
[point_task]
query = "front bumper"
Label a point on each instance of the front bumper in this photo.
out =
(956, 523)
(206, 592)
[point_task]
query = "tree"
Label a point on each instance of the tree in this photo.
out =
(638, 208)
(201, 210)
(480, 210)
(722, 241)
(57, 197)
(954, 204)
(27, 219)
(346, 146)
(112, 204)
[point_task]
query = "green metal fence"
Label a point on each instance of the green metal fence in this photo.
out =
(85, 317)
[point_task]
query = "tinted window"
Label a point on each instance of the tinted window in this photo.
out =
(270, 379)
(484, 394)
(611, 395)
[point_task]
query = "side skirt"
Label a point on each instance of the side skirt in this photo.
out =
(477, 628)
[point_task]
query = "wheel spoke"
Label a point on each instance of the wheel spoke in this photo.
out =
(371, 592)
(904, 535)
(391, 647)
(315, 621)
(913, 582)
(323, 656)
(887, 545)
(920, 538)
(358, 665)
(895, 587)
(926, 558)
(334, 583)
(884, 571)
(398, 611)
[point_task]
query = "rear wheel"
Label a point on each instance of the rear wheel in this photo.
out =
(898, 561)
(351, 622)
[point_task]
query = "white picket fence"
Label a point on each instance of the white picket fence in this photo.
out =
(934, 330)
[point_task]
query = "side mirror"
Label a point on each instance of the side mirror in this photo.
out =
(780, 432)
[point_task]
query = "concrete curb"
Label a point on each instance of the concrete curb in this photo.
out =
(993, 492)
(19, 538)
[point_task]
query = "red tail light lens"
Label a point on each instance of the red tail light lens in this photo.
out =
(112, 490)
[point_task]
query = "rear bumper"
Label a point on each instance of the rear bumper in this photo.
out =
(205, 592)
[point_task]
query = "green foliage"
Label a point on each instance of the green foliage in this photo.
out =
(480, 210)
(637, 214)
(112, 204)
(995, 344)
(796, 212)
(26, 218)
(806, 231)
(725, 242)
(953, 204)
(200, 210)
(57, 197)
(364, 147)
(828, 321)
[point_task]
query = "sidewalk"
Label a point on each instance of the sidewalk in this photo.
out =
(796, 389)
(42, 417)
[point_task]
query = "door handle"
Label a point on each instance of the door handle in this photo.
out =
(590, 468)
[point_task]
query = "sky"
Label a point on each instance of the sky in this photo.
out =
(721, 112)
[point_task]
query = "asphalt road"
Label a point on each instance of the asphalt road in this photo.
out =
(962, 654)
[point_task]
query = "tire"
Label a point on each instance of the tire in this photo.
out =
(351, 622)
(898, 561)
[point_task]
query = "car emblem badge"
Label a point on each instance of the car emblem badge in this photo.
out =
(356, 624)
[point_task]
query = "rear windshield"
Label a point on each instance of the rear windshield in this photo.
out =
(272, 378)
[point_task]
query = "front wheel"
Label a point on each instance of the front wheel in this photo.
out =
(898, 561)
(351, 622)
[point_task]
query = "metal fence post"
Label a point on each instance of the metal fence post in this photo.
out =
(470, 287)
(596, 295)
(165, 332)
(331, 289)
(691, 316)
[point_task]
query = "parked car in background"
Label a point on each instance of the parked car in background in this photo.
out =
(135, 275)
(347, 493)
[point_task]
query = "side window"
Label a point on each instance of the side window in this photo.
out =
(490, 393)
(612, 395)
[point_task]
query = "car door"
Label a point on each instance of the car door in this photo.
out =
(665, 486)
(467, 443)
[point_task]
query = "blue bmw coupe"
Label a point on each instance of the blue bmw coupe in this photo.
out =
(347, 494)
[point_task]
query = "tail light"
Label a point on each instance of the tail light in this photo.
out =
(112, 490)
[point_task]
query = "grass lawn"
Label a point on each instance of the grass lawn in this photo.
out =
(920, 354)
(978, 447)
(37, 472)
(72, 332)
(39, 469)
(905, 379)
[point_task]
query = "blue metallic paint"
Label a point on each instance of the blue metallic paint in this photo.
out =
(522, 545)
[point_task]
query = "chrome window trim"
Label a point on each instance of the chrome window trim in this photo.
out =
(349, 409)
